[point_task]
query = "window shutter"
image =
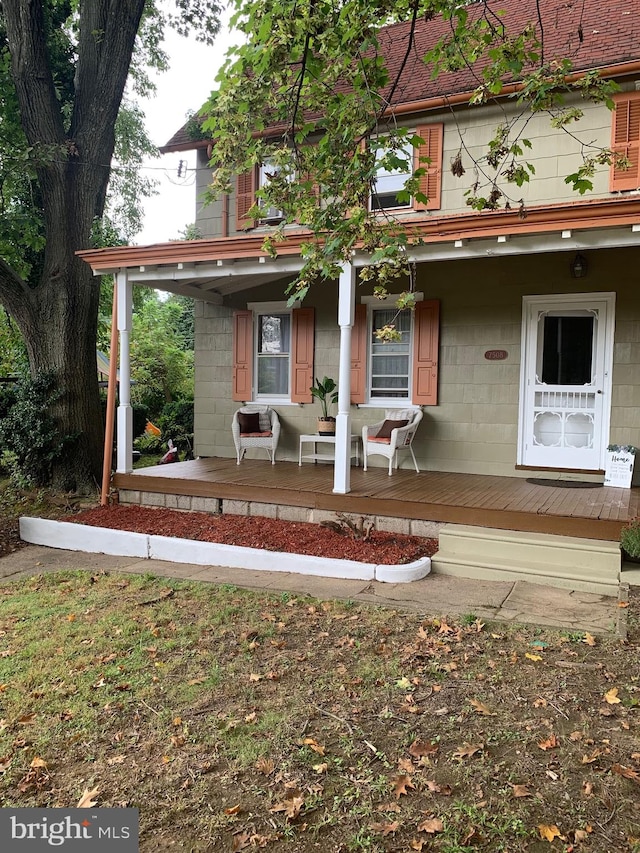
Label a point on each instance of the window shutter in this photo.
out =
(246, 188)
(430, 182)
(242, 355)
(359, 356)
(302, 335)
(625, 140)
(426, 335)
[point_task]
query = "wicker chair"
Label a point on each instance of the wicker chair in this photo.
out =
(245, 435)
(383, 439)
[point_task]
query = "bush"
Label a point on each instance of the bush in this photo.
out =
(176, 420)
(30, 441)
(630, 538)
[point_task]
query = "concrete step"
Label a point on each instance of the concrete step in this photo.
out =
(563, 561)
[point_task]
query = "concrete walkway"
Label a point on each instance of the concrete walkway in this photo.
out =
(435, 595)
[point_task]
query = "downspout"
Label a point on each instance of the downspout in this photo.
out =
(225, 215)
(111, 400)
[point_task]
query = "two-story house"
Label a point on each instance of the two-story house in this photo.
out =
(524, 349)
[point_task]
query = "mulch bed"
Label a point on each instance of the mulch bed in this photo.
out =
(269, 534)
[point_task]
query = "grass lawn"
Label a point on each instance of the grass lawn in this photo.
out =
(237, 720)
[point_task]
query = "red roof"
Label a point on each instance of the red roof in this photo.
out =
(593, 34)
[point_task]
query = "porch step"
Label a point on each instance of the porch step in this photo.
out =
(587, 565)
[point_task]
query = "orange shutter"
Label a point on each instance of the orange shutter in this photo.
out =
(246, 188)
(625, 140)
(430, 182)
(359, 356)
(242, 355)
(426, 334)
(302, 336)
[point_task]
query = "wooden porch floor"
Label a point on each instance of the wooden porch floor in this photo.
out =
(507, 503)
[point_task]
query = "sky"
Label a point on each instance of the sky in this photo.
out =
(184, 87)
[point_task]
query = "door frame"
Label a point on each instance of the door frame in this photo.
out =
(528, 351)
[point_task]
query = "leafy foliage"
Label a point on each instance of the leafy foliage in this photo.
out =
(310, 93)
(30, 440)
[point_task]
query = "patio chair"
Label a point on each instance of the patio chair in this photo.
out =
(388, 437)
(256, 426)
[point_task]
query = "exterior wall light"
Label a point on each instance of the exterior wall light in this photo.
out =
(579, 266)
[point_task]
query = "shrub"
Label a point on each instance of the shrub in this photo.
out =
(630, 538)
(176, 420)
(30, 440)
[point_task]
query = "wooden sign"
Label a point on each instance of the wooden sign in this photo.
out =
(496, 354)
(619, 468)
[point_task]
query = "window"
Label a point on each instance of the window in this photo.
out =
(406, 370)
(266, 172)
(395, 169)
(625, 140)
(391, 178)
(389, 373)
(273, 354)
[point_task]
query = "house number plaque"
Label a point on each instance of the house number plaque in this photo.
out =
(496, 354)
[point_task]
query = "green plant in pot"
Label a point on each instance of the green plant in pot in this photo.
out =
(630, 541)
(326, 393)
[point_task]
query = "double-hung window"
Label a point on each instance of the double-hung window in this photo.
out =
(273, 354)
(389, 375)
(393, 170)
(397, 372)
(273, 349)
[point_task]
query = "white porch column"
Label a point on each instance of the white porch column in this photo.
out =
(124, 454)
(346, 311)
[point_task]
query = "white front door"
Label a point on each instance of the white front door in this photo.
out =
(565, 389)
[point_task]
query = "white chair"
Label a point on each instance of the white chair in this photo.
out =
(256, 426)
(383, 439)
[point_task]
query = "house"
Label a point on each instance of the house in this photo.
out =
(524, 349)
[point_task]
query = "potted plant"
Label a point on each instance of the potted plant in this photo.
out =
(326, 393)
(630, 541)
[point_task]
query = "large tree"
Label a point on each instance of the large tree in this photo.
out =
(64, 66)
(315, 86)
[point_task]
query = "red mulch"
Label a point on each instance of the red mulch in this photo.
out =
(257, 532)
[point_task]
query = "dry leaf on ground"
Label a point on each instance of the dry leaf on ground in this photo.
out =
(87, 800)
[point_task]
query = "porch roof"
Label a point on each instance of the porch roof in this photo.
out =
(211, 269)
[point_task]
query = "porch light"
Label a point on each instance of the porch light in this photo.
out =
(579, 266)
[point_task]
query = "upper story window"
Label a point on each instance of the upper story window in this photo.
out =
(393, 170)
(266, 172)
(273, 352)
(390, 368)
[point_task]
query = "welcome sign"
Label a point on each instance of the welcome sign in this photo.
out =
(619, 469)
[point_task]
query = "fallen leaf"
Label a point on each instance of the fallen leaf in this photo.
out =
(481, 708)
(575, 736)
(5, 763)
(321, 768)
(587, 788)
(467, 750)
(240, 842)
(26, 719)
(627, 772)
(580, 835)
(385, 828)
(533, 657)
(611, 696)
(548, 833)
(415, 844)
(254, 676)
(589, 759)
(589, 639)
(87, 800)
(422, 747)
(233, 809)
(431, 825)
(313, 744)
(265, 766)
(521, 791)
(291, 806)
(400, 785)
(550, 743)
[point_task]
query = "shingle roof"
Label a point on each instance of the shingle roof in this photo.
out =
(591, 33)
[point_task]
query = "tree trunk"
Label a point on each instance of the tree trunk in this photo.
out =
(57, 312)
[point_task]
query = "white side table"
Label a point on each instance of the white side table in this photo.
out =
(329, 456)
